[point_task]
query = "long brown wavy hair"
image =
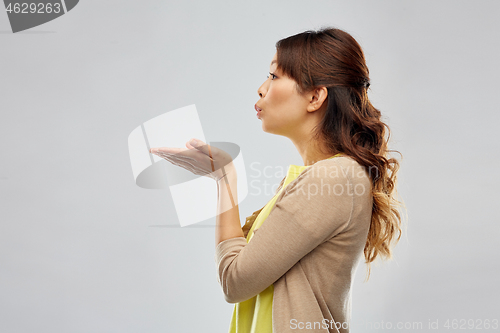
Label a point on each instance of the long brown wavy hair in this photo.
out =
(332, 58)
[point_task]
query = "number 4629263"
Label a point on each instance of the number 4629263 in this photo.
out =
(32, 8)
(479, 324)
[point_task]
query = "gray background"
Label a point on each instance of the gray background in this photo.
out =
(80, 245)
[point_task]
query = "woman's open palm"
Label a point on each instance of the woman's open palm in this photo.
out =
(200, 158)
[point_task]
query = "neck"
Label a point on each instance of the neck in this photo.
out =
(310, 151)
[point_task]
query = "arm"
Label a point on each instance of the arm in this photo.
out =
(303, 218)
(228, 215)
(202, 159)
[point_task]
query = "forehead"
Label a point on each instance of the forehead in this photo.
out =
(274, 61)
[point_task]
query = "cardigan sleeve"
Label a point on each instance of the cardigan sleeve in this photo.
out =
(313, 208)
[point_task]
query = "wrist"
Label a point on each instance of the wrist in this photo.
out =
(227, 188)
(228, 174)
(228, 169)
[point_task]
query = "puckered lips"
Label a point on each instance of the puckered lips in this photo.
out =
(258, 110)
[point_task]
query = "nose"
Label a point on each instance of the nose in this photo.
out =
(262, 90)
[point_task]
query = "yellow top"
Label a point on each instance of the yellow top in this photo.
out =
(255, 314)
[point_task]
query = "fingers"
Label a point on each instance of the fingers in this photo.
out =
(172, 156)
(194, 168)
(176, 157)
(178, 153)
(189, 158)
(201, 146)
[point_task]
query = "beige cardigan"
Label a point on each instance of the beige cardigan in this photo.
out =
(308, 247)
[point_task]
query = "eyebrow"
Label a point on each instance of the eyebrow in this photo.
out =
(272, 62)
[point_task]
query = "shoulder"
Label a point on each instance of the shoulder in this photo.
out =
(336, 175)
(340, 175)
(343, 168)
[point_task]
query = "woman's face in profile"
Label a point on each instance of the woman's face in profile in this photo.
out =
(283, 109)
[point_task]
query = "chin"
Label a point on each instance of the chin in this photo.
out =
(270, 130)
(266, 128)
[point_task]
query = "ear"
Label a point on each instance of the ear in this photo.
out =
(317, 98)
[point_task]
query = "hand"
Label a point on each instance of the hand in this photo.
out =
(200, 158)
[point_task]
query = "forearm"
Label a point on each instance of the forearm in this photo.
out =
(228, 214)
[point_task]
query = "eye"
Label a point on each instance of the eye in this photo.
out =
(272, 75)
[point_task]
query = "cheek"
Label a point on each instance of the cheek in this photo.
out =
(280, 97)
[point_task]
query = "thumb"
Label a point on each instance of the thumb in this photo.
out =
(194, 142)
(199, 145)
